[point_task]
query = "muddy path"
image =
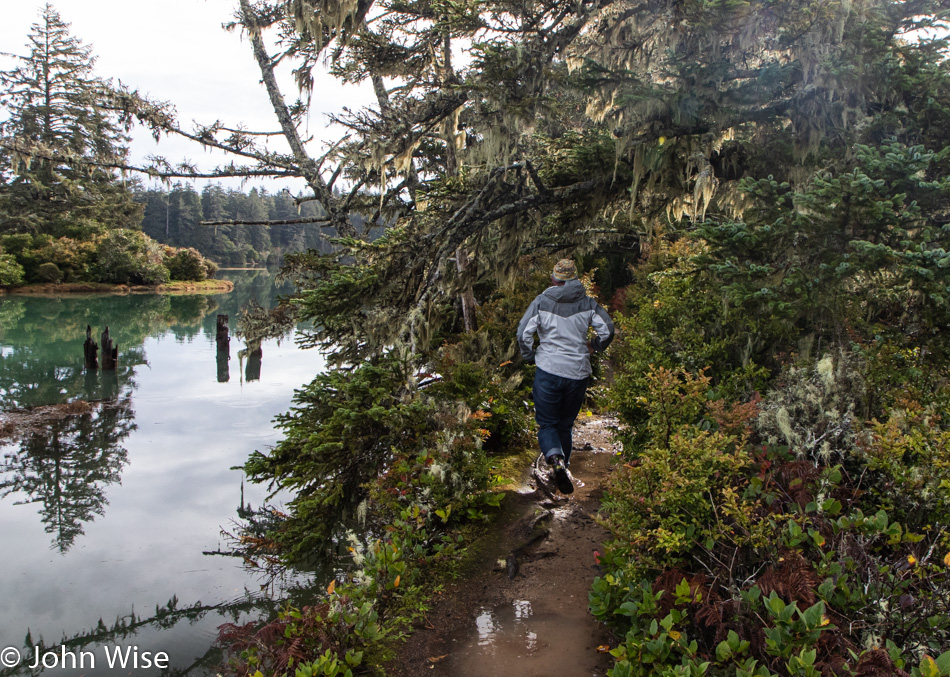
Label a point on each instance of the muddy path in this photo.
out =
(521, 607)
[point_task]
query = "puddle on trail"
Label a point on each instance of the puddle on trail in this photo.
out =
(526, 640)
(547, 630)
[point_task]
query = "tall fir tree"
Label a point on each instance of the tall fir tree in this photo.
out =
(60, 140)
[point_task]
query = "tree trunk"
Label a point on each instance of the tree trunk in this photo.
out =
(468, 297)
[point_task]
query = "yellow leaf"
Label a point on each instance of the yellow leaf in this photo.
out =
(824, 620)
(946, 559)
(396, 583)
(331, 587)
(674, 635)
(603, 648)
(911, 560)
(661, 140)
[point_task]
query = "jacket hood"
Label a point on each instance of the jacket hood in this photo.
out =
(570, 291)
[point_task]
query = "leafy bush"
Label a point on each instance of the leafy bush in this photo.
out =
(316, 641)
(366, 449)
(787, 557)
(908, 463)
(73, 258)
(672, 319)
(11, 272)
(363, 433)
(49, 272)
(129, 257)
(665, 500)
(186, 264)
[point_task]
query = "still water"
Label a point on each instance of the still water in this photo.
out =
(109, 520)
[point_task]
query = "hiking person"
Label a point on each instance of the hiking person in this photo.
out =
(561, 316)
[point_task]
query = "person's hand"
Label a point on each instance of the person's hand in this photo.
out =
(590, 348)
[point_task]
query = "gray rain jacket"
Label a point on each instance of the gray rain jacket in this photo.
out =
(561, 316)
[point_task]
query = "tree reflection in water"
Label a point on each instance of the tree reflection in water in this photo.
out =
(66, 464)
(242, 610)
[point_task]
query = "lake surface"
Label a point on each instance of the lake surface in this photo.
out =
(105, 518)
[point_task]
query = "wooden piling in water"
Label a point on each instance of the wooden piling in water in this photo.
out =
(90, 351)
(224, 349)
(110, 352)
(222, 337)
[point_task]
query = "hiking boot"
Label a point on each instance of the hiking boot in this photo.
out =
(561, 479)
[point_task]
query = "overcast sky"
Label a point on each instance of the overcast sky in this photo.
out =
(176, 50)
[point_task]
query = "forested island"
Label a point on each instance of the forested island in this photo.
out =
(255, 227)
(759, 192)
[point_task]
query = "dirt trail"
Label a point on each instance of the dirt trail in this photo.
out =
(522, 609)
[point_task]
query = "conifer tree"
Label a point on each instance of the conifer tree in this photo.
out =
(61, 142)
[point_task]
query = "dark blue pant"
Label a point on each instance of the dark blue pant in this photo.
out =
(557, 401)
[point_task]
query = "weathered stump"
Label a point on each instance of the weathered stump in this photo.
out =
(90, 351)
(110, 352)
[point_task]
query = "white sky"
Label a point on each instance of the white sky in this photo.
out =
(176, 50)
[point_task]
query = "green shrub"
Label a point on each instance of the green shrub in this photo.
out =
(791, 555)
(186, 264)
(672, 319)
(129, 257)
(49, 272)
(675, 491)
(314, 641)
(11, 272)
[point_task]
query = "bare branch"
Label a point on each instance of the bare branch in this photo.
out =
(162, 170)
(250, 133)
(280, 222)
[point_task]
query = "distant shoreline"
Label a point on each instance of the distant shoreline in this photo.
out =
(176, 287)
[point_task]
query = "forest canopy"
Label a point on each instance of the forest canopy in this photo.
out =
(502, 130)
